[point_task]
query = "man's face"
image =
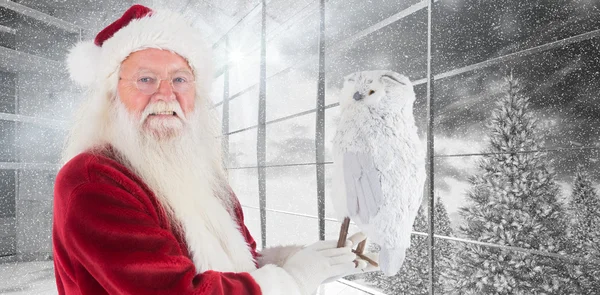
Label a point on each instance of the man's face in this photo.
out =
(157, 88)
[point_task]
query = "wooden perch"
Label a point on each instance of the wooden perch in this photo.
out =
(361, 246)
(344, 232)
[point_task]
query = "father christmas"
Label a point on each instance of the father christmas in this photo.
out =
(142, 204)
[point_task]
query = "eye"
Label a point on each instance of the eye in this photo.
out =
(146, 80)
(371, 92)
(179, 80)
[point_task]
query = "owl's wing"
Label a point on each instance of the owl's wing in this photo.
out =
(363, 187)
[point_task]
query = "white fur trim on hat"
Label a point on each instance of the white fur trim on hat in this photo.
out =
(162, 30)
(82, 62)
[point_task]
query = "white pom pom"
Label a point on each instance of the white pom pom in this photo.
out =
(82, 62)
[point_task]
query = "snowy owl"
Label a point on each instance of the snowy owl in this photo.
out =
(379, 162)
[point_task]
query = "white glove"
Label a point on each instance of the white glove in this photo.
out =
(315, 263)
(294, 270)
(277, 255)
(362, 266)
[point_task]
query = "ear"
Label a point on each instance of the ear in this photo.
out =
(394, 78)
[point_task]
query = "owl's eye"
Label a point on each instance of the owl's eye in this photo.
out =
(371, 92)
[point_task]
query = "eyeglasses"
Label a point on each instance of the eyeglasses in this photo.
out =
(148, 83)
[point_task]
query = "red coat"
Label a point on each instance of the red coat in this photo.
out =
(110, 236)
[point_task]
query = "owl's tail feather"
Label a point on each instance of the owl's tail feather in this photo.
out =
(391, 259)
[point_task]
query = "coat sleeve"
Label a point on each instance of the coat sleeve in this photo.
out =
(119, 245)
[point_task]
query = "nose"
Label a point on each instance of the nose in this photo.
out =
(165, 91)
(357, 96)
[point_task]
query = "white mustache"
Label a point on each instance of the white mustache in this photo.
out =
(162, 106)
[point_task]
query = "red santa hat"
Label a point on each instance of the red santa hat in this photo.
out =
(96, 62)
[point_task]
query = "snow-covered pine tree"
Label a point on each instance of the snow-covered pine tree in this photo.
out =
(513, 202)
(584, 227)
(444, 249)
(413, 277)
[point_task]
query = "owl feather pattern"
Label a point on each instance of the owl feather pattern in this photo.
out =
(379, 161)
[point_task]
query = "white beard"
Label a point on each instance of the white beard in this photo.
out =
(185, 172)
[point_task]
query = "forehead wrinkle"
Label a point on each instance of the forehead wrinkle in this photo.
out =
(175, 70)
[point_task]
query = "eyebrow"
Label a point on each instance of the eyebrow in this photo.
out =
(178, 70)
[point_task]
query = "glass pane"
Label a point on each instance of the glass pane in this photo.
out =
(292, 141)
(332, 116)
(244, 183)
(217, 89)
(329, 210)
(8, 92)
(36, 184)
(285, 229)
(8, 236)
(292, 92)
(34, 217)
(7, 193)
(40, 101)
(295, 44)
(244, 69)
(31, 137)
(220, 57)
(483, 31)
(243, 111)
(242, 149)
(346, 18)
(292, 189)
(295, 89)
(554, 87)
(49, 42)
(400, 46)
(8, 151)
(34, 212)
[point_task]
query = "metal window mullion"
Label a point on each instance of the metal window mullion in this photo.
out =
(282, 165)
(320, 126)
(225, 117)
(430, 150)
(261, 130)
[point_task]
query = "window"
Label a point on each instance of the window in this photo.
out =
(515, 136)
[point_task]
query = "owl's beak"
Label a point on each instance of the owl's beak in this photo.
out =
(357, 96)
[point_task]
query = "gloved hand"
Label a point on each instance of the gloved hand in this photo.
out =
(277, 255)
(362, 266)
(315, 263)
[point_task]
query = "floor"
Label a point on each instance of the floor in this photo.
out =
(25, 278)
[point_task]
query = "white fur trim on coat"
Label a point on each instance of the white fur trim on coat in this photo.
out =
(274, 280)
(277, 255)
